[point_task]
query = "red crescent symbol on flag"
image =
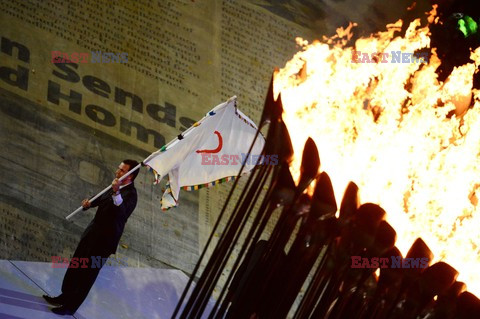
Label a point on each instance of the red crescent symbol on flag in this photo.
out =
(215, 150)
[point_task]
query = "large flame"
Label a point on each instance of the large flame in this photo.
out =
(406, 139)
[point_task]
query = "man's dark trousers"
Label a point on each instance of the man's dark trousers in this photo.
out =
(78, 281)
(99, 240)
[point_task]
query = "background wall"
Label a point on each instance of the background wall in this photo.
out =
(65, 127)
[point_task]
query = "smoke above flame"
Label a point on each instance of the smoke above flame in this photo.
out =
(410, 142)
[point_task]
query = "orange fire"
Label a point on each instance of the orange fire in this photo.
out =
(410, 142)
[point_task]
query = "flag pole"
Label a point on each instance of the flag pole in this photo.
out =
(183, 134)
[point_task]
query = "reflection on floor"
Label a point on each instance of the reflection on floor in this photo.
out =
(119, 292)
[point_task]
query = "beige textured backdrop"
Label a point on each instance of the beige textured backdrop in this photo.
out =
(65, 127)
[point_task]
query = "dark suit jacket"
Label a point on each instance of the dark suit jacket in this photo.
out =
(106, 228)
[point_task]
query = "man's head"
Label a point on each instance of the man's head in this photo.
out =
(124, 167)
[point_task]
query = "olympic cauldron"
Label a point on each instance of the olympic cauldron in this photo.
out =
(314, 263)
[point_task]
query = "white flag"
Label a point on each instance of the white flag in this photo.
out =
(210, 152)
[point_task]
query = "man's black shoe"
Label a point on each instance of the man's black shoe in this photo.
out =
(64, 311)
(56, 301)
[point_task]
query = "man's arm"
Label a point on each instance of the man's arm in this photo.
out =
(116, 196)
(125, 203)
(125, 209)
(117, 199)
(86, 203)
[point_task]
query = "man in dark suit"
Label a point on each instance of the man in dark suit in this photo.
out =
(98, 241)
